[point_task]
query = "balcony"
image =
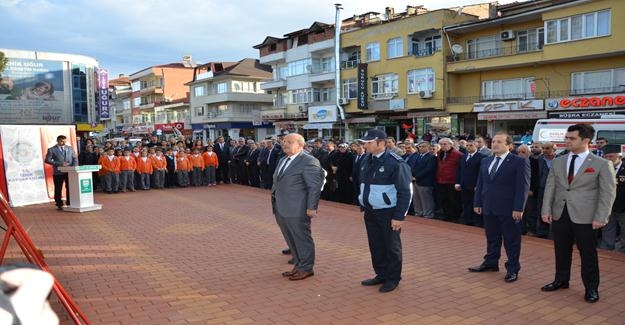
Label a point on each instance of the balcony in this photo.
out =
(351, 64)
(322, 76)
(236, 97)
(424, 52)
(146, 106)
(508, 50)
(273, 84)
(273, 58)
(272, 114)
(151, 90)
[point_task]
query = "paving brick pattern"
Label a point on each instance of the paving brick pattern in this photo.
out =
(211, 255)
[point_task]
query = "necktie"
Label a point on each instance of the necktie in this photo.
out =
(494, 169)
(269, 156)
(469, 157)
(600, 153)
(284, 166)
(572, 169)
(63, 151)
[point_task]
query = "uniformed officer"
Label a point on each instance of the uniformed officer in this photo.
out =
(385, 194)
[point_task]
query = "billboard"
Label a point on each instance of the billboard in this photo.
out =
(103, 93)
(32, 92)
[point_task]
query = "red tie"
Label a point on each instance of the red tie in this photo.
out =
(572, 168)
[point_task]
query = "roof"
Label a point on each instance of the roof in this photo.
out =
(247, 67)
(121, 81)
(315, 27)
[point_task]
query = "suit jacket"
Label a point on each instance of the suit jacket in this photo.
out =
(222, 155)
(507, 190)
(485, 151)
(590, 195)
(424, 170)
(298, 188)
(56, 157)
(468, 171)
(619, 203)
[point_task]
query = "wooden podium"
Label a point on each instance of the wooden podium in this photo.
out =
(81, 188)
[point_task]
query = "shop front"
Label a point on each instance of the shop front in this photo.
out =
(586, 107)
(514, 117)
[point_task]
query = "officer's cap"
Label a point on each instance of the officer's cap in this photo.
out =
(373, 135)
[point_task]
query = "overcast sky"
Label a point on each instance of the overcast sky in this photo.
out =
(127, 36)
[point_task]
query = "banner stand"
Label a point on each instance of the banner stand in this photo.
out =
(34, 256)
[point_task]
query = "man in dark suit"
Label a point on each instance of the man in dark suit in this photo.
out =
(223, 156)
(359, 153)
(294, 199)
(613, 153)
(269, 163)
(424, 175)
(578, 198)
(238, 158)
(601, 142)
(251, 163)
(466, 180)
(500, 195)
(60, 155)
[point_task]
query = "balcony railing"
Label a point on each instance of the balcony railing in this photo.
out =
(424, 52)
(351, 64)
(508, 50)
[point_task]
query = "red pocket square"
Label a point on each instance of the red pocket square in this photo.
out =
(589, 170)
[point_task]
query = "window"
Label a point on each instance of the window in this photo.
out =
(303, 39)
(300, 67)
(272, 47)
(327, 64)
(136, 102)
(199, 91)
(394, 47)
(432, 44)
(350, 59)
(590, 25)
(127, 104)
(600, 81)
(136, 85)
(282, 72)
(301, 96)
(484, 47)
(420, 79)
(385, 85)
(222, 87)
(199, 111)
(350, 89)
(508, 88)
(530, 40)
(372, 52)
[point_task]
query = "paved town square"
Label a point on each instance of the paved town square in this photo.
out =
(211, 255)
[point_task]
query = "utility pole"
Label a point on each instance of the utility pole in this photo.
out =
(337, 67)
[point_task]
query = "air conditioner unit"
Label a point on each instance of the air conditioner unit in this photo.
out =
(303, 108)
(507, 35)
(343, 101)
(425, 94)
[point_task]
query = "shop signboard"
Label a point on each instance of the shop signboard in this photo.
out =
(586, 102)
(509, 106)
(363, 95)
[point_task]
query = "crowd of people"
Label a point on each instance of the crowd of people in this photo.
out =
(444, 170)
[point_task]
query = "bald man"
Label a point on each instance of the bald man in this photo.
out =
(295, 194)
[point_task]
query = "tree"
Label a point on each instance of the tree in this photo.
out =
(3, 62)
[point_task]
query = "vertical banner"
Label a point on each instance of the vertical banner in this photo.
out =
(363, 95)
(23, 162)
(103, 93)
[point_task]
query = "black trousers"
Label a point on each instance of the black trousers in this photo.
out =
(468, 215)
(565, 233)
(449, 200)
(58, 186)
(385, 247)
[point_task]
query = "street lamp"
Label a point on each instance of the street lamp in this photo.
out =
(337, 67)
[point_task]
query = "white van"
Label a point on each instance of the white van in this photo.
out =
(554, 130)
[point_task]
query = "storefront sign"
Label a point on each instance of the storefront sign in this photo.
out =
(103, 92)
(168, 127)
(317, 126)
(583, 114)
(586, 102)
(322, 114)
(512, 116)
(396, 104)
(362, 86)
(427, 114)
(508, 106)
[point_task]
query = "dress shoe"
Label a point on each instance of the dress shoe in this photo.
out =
(59, 208)
(591, 296)
(555, 285)
(289, 273)
(511, 277)
(286, 251)
(389, 286)
(372, 282)
(299, 275)
(484, 268)
(291, 261)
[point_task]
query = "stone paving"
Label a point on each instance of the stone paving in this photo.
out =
(211, 255)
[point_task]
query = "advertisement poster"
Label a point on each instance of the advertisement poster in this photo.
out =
(24, 175)
(32, 92)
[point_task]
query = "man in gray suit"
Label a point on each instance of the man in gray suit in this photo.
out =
(297, 184)
(578, 197)
(60, 155)
(480, 143)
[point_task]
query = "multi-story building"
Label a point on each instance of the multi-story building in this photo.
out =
(544, 58)
(303, 80)
(160, 98)
(393, 71)
(49, 88)
(227, 100)
(120, 92)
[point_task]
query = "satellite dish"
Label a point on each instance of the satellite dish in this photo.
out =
(457, 48)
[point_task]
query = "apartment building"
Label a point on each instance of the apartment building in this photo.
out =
(302, 84)
(227, 100)
(160, 99)
(393, 72)
(120, 91)
(545, 58)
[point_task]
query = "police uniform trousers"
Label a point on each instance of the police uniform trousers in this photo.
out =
(385, 247)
